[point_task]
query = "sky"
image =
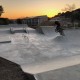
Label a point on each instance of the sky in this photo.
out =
(28, 8)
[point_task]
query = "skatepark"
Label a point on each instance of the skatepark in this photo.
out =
(42, 52)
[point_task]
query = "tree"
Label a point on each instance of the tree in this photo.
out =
(1, 10)
(69, 8)
(69, 12)
(19, 21)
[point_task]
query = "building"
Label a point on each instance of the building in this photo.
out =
(35, 21)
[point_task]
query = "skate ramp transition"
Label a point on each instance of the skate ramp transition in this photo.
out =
(64, 69)
(46, 30)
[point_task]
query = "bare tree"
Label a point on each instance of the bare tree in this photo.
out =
(69, 8)
(1, 10)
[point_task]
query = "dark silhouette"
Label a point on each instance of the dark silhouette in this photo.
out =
(4, 21)
(19, 21)
(1, 10)
(69, 8)
(70, 16)
(58, 28)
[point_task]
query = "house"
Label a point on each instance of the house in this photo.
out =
(35, 21)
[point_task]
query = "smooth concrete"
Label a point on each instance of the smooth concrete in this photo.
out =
(67, 73)
(43, 55)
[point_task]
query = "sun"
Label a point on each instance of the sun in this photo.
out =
(50, 12)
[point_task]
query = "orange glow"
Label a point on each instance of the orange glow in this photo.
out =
(29, 13)
(21, 15)
(26, 8)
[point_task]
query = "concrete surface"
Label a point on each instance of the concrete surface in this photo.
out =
(42, 55)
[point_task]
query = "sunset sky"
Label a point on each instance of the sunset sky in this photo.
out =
(26, 8)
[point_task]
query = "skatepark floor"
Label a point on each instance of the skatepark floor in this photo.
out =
(33, 50)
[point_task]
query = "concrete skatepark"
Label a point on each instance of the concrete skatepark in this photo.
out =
(45, 55)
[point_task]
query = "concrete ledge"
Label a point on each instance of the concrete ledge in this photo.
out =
(5, 40)
(17, 30)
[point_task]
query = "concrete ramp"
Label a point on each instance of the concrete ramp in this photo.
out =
(39, 29)
(47, 30)
(68, 73)
(62, 69)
